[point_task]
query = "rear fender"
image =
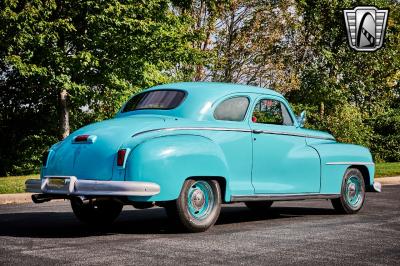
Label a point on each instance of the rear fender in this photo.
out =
(170, 160)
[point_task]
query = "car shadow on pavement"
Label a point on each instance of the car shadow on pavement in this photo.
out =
(243, 214)
(149, 221)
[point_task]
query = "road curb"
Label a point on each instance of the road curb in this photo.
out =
(26, 197)
(390, 180)
(15, 198)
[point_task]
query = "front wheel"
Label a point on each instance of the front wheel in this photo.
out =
(99, 212)
(352, 195)
(198, 205)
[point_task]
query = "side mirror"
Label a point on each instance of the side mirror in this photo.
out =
(301, 119)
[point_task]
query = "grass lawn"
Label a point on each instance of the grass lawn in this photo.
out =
(16, 184)
(387, 169)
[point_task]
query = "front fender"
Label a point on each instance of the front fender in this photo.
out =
(170, 160)
(336, 158)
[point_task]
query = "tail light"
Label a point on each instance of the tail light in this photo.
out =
(121, 157)
(44, 158)
(82, 139)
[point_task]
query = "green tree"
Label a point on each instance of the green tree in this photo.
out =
(255, 43)
(345, 90)
(65, 63)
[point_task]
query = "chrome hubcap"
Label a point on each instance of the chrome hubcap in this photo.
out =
(200, 200)
(352, 190)
(354, 193)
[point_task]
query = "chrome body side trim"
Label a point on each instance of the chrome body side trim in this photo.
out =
(350, 163)
(191, 128)
(292, 134)
(283, 197)
(79, 187)
(232, 129)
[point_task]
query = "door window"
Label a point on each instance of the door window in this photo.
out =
(268, 111)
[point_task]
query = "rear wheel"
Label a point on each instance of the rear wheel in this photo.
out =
(352, 195)
(198, 205)
(259, 206)
(98, 212)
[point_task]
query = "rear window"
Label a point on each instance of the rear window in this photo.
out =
(158, 99)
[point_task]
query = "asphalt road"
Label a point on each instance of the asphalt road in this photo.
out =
(306, 232)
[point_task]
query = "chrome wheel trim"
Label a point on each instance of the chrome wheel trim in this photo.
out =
(200, 200)
(354, 193)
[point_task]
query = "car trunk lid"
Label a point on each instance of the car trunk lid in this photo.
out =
(91, 152)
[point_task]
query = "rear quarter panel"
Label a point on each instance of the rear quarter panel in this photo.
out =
(169, 160)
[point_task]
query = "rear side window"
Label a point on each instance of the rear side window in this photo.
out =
(157, 99)
(232, 109)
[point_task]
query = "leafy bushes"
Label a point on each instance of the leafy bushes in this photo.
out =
(29, 153)
(386, 140)
(347, 125)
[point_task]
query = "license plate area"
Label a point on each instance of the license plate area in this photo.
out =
(58, 184)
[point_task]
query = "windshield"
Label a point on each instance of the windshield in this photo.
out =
(157, 99)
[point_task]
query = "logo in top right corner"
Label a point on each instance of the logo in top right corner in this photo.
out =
(366, 26)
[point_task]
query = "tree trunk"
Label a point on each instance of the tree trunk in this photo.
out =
(322, 111)
(199, 73)
(64, 115)
(228, 75)
(202, 45)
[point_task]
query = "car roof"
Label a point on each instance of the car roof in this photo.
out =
(201, 97)
(215, 89)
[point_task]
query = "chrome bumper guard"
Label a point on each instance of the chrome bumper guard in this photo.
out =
(377, 186)
(70, 185)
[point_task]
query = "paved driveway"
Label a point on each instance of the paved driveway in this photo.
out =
(307, 232)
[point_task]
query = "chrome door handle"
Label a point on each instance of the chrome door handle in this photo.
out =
(257, 131)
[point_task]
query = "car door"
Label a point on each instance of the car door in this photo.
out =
(282, 161)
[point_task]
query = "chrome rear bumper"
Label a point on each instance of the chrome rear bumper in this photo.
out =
(71, 186)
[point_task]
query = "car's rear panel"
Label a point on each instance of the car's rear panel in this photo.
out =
(96, 157)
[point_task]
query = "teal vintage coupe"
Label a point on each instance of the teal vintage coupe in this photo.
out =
(191, 146)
